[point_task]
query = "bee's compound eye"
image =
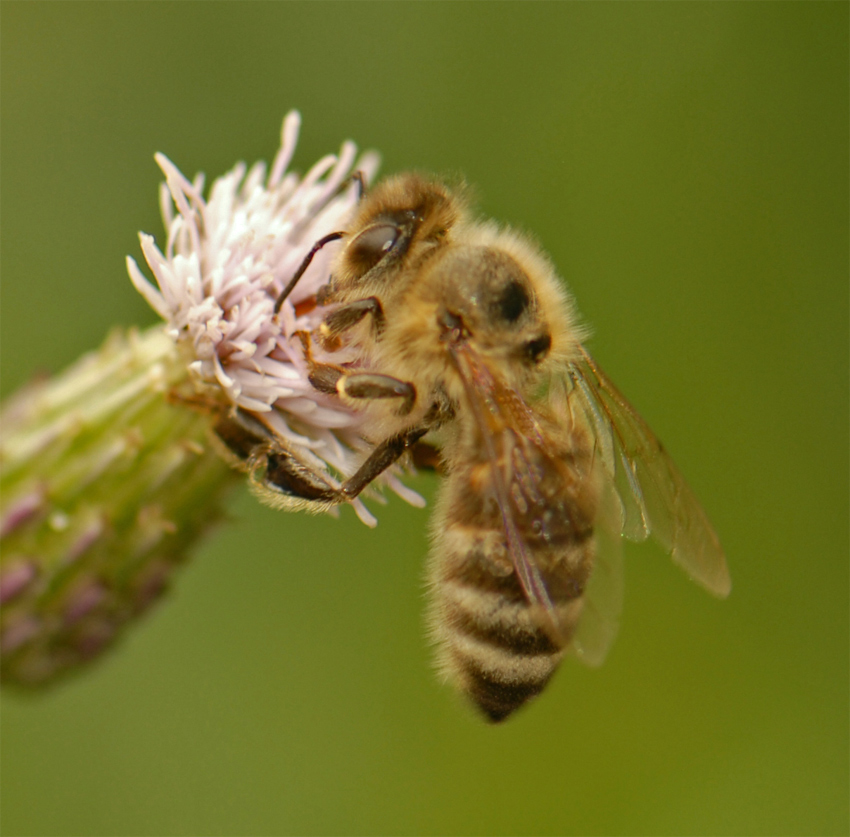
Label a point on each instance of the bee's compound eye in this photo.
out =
(368, 248)
(535, 350)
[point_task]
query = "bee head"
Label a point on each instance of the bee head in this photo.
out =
(398, 225)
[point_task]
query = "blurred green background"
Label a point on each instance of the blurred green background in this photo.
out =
(686, 165)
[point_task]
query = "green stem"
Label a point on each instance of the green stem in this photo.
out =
(106, 481)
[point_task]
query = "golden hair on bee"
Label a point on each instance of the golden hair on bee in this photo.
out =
(462, 333)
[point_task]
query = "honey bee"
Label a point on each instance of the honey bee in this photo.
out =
(464, 333)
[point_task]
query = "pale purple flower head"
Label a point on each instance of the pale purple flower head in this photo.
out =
(227, 258)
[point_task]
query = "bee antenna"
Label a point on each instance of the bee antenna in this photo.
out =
(334, 236)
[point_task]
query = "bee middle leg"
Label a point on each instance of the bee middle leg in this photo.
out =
(362, 385)
(371, 385)
(326, 377)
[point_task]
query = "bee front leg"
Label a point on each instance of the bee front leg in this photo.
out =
(347, 316)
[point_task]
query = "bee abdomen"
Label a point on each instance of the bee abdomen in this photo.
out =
(497, 679)
(492, 644)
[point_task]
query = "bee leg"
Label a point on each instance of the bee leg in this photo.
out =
(288, 475)
(276, 471)
(345, 317)
(371, 385)
(285, 474)
(390, 450)
(241, 437)
(384, 455)
(325, 377)
(322, 376)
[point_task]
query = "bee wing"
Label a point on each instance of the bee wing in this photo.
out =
(654, 498)
(504, 417)
(602, 598)
(496, 419)
(603, 595)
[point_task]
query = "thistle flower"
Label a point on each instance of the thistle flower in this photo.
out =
(226, 261)
(107, 471)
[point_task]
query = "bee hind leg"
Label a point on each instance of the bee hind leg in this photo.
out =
(285, 479)
(384, 455)
(238, 437)
(287, 475)
(391, 449)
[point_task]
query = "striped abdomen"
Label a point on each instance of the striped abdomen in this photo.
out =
(492, 643)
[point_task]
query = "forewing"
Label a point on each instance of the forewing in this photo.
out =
(491, 405)
(654, 497)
